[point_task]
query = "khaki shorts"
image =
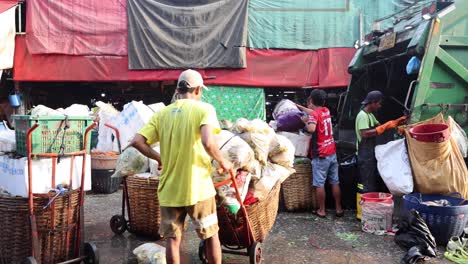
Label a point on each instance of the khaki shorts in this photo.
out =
(203, 215)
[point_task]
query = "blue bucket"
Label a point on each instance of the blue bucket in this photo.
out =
(443, 221)
(15, 100)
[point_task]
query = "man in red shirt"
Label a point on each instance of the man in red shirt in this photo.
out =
(323, 151)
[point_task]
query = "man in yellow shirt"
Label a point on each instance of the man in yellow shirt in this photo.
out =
(185, 130)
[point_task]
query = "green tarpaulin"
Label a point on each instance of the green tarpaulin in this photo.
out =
(232, 103)
(307, 24)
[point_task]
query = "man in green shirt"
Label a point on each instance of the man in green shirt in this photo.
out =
(185, 130)
(367, 129)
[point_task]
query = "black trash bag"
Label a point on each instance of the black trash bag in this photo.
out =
(414, 236)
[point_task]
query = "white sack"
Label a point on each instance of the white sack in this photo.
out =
(300, 141)
(132, 118)
(14, 174)
(394, 167)
(459, 136)
(283, 152)
(271, 174)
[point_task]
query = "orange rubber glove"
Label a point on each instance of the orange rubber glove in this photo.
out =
(390, 125)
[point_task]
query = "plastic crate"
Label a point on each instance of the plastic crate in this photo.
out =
(48, 137)
(102, 182)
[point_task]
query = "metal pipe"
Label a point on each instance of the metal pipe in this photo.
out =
(409, 92)
(361, 29)
(75, 260)
(19, 19)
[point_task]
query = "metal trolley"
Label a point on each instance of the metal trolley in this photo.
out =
(73, 230)
(235, 233)
(122, 222)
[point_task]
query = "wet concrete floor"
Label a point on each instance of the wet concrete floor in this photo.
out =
(295, 238)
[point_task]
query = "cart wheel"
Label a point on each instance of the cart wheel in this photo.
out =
(255, 253)
(91, 254)
(202, 252)
(30, 260)
(118, 224)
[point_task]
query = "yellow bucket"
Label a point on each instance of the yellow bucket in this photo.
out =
(358, 206)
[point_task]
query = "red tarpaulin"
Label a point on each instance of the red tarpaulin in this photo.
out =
(77, 27)
(333, 66)
(6, 4)
(265, 68)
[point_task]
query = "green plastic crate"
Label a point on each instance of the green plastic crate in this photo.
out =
(47, 137)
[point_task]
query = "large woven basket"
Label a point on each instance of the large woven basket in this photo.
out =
(103, 160)
(298, 193)
(145, 213)
(263, 214)
(15, 238)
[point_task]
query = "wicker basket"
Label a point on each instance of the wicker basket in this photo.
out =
(103, 162)
(145, 214)
(262, 214)
(298, 193)
(15, 239)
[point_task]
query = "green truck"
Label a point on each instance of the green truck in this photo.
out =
(435, 34)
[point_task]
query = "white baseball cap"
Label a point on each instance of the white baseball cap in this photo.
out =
(193, 78)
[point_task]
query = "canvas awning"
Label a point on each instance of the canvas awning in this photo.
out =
(266, 68)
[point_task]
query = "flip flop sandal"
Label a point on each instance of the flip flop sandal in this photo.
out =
(321, 216)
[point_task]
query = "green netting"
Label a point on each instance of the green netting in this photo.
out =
(232, 103)
(307, 24)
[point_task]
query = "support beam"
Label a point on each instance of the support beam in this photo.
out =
(452, 64)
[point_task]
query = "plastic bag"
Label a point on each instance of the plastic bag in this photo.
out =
(131, 161)
(150, 253)
(459, 136)
(106, 114)
(77, 110)
(413, 65)
(300, 141)
(283, 152)
(284, 106)
(227, 193)
(376, 217)
(414, 235)
(271, 174)
(390, 156)
(7, 140)
(291, 122)
(234, 149)
(41, 110)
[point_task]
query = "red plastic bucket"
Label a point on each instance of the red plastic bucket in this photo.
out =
(377, 197)
(430, 133)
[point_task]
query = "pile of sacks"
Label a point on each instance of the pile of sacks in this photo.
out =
(288, 122)
(260, 157)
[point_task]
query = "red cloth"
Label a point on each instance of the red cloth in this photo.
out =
(333, 66)
(323, 144)
(7, 4)
(265, 68)
(272, 68)
(55, 67)
(77, 27)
